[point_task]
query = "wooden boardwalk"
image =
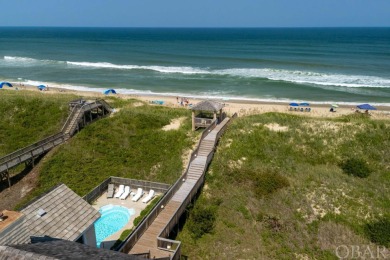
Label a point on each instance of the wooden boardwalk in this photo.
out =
(194, 178)
(76, 119)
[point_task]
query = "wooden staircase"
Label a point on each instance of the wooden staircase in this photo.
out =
(29, 153)
(154, 238)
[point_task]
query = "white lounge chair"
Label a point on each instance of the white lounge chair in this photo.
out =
(126, 193)
(110, 191)
(120, 191)
(149, 197)
(138, 195)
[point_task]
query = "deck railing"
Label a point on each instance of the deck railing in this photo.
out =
(130, 241)
(172, 246)
(163, 242)
(203, 121)
(195, 152)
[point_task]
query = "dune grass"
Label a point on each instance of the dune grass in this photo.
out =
(268, 194)
(27, 117)
(283, 195)
(130, 144)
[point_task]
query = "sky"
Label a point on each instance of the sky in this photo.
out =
(196, 13)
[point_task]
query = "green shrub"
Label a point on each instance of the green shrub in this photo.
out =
(356, 167)
(201, 220)
(146, 211)
(122, 237)
(267, 183)
(379, 231)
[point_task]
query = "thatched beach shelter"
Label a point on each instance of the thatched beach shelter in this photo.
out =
(205, 112)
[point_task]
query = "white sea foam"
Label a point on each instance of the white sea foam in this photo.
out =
(29, 61)
(162, 69)
(220, 96)
(292, 76)
(308, 77)
(19, 59)
(299, 77)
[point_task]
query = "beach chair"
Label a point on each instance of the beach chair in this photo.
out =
(149, 197)
(138, 195)
(125, 193)
(120, 191)
(110, 191)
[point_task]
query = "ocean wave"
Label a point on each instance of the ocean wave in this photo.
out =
(298, 77)
(22, 59)
(291, 76)
(309, 77)
(162, 69)
(29, 61)
(221, 96)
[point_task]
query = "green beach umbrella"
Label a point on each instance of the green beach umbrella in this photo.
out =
(335, 105)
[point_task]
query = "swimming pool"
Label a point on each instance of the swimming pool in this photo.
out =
(113, 219)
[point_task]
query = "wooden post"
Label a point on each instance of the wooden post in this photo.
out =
(193, 120)
(9, 181)
(214, 115)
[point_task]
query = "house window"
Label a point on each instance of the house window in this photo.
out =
(80, 240)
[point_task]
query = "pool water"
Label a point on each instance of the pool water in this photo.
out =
(112, 220)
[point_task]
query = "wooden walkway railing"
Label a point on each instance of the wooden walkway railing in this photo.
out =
(152, 234)
(29, 153)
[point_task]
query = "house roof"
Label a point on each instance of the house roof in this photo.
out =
(60, 249)
(208, 105)
(66, 216)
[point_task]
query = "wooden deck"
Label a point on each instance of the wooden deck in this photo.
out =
(193, 180)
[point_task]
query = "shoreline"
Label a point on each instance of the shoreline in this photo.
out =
(236, 105)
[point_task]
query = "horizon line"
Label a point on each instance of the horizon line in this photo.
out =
(191, 27)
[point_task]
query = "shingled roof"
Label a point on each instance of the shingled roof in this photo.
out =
(60, 249)
(66, 216)
(208, 105)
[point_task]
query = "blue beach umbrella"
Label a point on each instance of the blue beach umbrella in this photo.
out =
(366, 107)
(5, 83)
(41, 87)
(304, 104)
(294, 104)
(108, 91)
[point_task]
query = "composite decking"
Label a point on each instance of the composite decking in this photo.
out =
(196, 170)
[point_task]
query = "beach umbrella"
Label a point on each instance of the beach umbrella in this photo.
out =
(294, 104)
(304, 104)
(5, 83)
(366, 107)
(335, 105)
(41, 87)
(108, 91)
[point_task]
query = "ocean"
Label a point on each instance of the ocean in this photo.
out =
(318, 65)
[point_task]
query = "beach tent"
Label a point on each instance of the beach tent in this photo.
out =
(5, 83)
(304, 104)
(294, 104)
(108, 91)
(41, 87)
(366, 107)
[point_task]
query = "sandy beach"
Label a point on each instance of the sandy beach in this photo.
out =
(241, 107)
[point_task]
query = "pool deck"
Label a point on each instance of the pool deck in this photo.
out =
(128, 203)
